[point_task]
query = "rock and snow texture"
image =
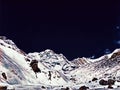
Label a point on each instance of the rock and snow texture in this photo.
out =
(17, 69)
(50, 69)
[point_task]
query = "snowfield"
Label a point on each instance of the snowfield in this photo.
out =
(47, 70)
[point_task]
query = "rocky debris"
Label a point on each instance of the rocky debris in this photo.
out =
(83, 88)
(73, 79)
(43, 87)
(118, 86)
(103, 82)
(67, 88)
(110, 86)
(111, 82)
(28, 60)
(4, 76)
(3, 87)
(34, 65)
(49, 74)
(80, 61)
(94, 79)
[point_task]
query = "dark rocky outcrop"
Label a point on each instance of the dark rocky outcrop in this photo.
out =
(67, 88)
(110, 86)
(43, 87)
(94, 79)
(83, 88)
(34, 65)
(109, 82)
(103, 82)
(4, 76)
(49, 74)
(28, 60)
(73, 79)
(3, 87)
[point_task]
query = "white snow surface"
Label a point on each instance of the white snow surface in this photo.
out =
(56, 71)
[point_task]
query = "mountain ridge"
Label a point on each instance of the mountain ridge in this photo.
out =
(48, 68)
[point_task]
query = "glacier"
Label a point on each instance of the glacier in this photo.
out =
(47, 70)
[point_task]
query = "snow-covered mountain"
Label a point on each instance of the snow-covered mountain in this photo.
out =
(81, 61)
(53, 70)
(51, 60)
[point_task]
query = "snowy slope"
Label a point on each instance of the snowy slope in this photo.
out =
(81, 61)
(18, 70)
(103, 67)
(52, 61)
(13, 64)
(54, 70)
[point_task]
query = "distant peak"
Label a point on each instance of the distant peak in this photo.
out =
(5, 42)
(49, 50)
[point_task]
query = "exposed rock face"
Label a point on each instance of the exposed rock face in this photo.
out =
(110, 87)
(103, 82)
(49, 74)
(3, 87)
(109, 82)
(4, 75)
(80, 61)
(43, 87)
(94, 79)
(34, 65)
(67, 88)
(115, 55)
(83, 88)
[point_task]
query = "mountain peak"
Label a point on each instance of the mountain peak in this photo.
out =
(51, 69)
(49, 50)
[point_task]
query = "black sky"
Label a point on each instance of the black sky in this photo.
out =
(76, 29)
